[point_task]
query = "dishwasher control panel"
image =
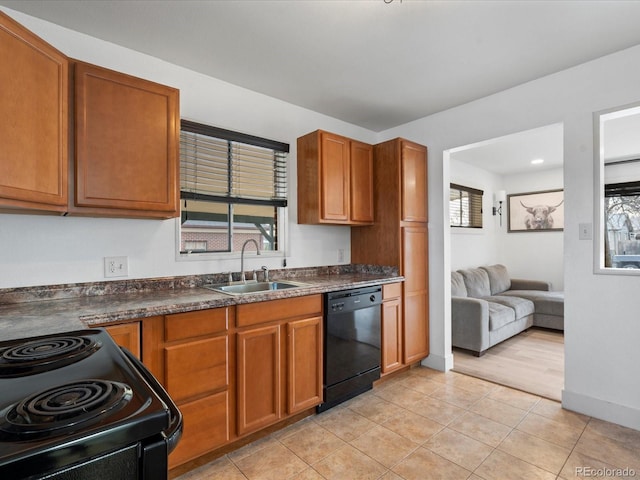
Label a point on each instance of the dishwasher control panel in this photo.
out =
(353, 299)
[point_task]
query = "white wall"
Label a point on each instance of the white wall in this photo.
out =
(602, 332)
(472, 247)
(533, 255)
(43, 250)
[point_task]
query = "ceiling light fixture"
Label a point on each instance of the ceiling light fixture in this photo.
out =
(537, 161)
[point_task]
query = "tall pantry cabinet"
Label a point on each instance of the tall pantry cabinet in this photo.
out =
(399, 236)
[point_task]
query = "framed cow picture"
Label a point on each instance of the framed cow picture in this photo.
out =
(536, 211)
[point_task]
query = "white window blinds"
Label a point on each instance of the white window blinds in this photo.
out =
(220, 165)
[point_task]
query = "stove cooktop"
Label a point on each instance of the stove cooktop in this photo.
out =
(71, 396)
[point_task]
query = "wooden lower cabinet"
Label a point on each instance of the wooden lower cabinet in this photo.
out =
(259, 384)
(192, 354)
(304, 364)
(126, 335)
(206, 427)
(391, 330)
(278, 378)
(415, 268)
(197, 367)
(235, 370)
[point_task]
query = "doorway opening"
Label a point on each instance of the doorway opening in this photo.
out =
(503, 168)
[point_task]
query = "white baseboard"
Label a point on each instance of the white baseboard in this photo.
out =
(602, 409)
(438, 362)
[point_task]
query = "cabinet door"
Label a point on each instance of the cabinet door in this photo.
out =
(126, 335)
(259, 383)
(414, 182)
(334, 178)
(34, 102)
(304, 364)
(391, 335)
(415, 269)
(361, 190)
(416, 327)
(126, 143)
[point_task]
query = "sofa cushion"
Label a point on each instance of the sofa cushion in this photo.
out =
(521, 306)
(458, 288)
(499, 315)
(499, 279)
(547, 303)
(477, 282)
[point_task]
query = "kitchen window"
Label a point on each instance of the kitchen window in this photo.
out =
(233, 187)
(465, 206)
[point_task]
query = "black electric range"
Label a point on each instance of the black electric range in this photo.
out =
(77, 406)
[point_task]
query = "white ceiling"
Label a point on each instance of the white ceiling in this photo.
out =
(513, 153)
(368, 62)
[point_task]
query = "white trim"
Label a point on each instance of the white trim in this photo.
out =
(598, 189)
(602, 409)
(438, 362)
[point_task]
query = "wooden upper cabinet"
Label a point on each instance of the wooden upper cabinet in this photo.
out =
(335, 180)
(127, 140)
(414, 182)
(34, 83)
(361, 182)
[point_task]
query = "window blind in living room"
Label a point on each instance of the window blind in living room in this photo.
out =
(465, 206)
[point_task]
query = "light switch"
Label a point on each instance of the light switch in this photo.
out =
(586, 231)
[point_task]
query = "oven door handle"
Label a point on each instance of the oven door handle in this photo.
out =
(174, 432)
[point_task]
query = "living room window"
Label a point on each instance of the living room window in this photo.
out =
(465, 206)
(622, 224)
(233, 187)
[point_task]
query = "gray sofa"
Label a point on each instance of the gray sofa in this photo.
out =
(487, 307)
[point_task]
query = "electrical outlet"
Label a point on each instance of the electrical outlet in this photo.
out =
(116, 267)
(340, 255)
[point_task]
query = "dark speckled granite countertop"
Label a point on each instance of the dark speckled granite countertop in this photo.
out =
(45, 310)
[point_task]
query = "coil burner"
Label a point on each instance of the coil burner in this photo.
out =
(65, 408)
(44, 355)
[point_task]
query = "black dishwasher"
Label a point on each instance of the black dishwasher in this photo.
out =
(351, 344)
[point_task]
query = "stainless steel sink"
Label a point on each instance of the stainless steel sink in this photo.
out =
(254, 287)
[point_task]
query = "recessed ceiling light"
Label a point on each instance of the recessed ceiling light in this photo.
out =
(537, 161)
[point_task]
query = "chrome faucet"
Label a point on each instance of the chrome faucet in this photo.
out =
(242, 277)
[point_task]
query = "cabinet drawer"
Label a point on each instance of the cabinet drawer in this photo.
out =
(206, 427)
(197, 367)
(181, 326)
(263, 312)
(391, 290)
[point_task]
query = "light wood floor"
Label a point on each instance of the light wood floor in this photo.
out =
(532, 361)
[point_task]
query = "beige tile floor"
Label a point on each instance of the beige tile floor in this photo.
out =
(426, 425)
